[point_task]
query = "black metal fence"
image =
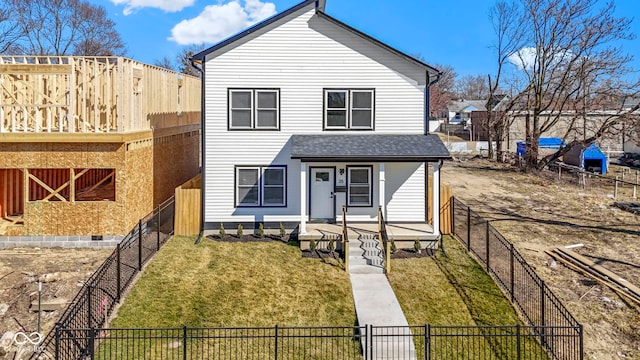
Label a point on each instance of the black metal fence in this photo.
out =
(103, 290)
(352, 342)
(557, 330)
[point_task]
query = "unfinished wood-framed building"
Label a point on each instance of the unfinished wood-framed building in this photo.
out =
(89, 145)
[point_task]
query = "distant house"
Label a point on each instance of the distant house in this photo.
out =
(304, 115)
(460, 110)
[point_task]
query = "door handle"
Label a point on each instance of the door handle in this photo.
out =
(331, 196)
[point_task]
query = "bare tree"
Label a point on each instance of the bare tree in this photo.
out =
(63, 27)
(165, 62)
(441, 93)
(570, 48)
(9, 33)
(472, 87)
(184, 59)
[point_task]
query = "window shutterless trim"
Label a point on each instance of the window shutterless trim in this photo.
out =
(253, 110)
(349, 109)
(369, 168)
(261, 169)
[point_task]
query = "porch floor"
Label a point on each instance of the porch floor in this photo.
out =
(397, 231)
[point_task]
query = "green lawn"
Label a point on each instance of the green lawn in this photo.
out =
(221, 284)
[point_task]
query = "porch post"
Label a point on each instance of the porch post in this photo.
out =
(381, 191)
(303, 198)
(436, 198)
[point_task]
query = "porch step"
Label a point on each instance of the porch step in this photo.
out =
(365, 257)
(365, 269)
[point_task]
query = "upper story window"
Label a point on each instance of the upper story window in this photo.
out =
(348, 109)
(254, 109)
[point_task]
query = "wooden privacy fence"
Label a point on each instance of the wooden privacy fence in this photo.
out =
(188, 202)
(445, 207)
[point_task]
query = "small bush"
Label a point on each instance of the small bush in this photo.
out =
(312, 245)
(332, 245)
(417, 245)
(283, 231)
(394, 248)
(261, 230)
(221, 231)
(240, 231)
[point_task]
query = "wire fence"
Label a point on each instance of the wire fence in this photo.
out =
(542, 309)
(351, 342)
(100, 294)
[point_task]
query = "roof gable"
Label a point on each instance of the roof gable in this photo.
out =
(293, 12)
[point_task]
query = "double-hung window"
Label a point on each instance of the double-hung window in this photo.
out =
(254, 109)
(348, 109)
(258, 186)
(359, 186)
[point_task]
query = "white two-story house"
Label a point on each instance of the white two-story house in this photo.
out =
(304, 115)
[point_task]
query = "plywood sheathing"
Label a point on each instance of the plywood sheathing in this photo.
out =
(175, 159)
(137, 184)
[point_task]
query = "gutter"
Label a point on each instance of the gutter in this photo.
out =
(200, 67)
(427, 96)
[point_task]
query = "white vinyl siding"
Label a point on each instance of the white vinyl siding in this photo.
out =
(301, 58)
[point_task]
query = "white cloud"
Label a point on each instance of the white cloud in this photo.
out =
(524, 59)
(166, 5)
(217, 22)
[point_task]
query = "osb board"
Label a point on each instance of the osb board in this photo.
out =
(62, 155)
(165, 120)
(176, 159)
(80, 218)
(136, 185)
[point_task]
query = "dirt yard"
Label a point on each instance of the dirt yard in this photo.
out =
(63, 272)
(538, 213)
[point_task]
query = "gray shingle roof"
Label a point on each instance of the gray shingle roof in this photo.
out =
(368, 147)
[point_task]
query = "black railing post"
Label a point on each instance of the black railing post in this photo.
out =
(512, 271)
(92, 336)
(468, 228)
(57, 344)
(581, 333)
(184, 342)
(487, 247)
(118, 273)
(158, 230)
(89, 293)
(427, 341)
(542, 311)
(518, 349)
(275, 354)
(140, 245)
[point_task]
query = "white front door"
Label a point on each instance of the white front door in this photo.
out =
(321, 190)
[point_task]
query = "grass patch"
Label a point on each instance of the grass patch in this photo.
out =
(220, 284)
(456, 291)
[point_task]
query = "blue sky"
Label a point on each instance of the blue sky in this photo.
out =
(449, 32)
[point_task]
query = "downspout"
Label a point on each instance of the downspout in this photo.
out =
(202, 145)
(427, 96)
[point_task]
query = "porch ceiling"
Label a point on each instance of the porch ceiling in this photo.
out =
(368, 147)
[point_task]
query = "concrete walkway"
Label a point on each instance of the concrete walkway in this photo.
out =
(377, 305)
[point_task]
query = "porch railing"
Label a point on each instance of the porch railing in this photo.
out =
(383, 238)
(345, 239)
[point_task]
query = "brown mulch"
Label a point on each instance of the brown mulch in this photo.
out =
(320, 254)
(248, 238)
(411, 254)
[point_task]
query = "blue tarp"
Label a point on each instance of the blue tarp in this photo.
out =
(543, 143)
(593, 157)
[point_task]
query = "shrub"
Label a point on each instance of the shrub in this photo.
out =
(240, 230)
(394, 248)
(221, 231)
(332, 244)
(312, 245)
(261, 230)
(283, 231)
(417, 245)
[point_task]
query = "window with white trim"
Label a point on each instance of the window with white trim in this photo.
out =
(347, 109)
(359, 186)
(251, 109)
(261, 186)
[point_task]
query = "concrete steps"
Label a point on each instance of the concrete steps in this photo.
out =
(365, 257)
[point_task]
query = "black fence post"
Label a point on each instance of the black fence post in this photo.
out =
(140, 245)
(487, 247)
(158, 230)
(92, 337)
(57, 344)
(118, 272)
(275, 354)
(542, 311)
(518, 349)
(468, 228)
(581, 334)
(512, 271)
(89, 324)
(184, 342)
(427, 341)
